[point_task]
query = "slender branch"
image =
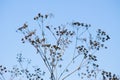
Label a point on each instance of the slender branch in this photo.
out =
(39, 25)
(46, 63)
(2, 76)
(56, 74)
(74, 70)
(75, 44)
(43, 34)
(83, 32)
(68, 66)
(44, 59)
(53, 34)
(65, 69)
(71, 73)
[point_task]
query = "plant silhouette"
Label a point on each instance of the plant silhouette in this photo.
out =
(65, 50)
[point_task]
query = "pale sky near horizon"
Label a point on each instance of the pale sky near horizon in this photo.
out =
(104, 14)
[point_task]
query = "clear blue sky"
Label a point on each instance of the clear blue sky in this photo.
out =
(104, 14)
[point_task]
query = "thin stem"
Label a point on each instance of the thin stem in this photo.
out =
(75, 44)
(56, 73)
(2, 76)
(53, 34)
(39, 25)
(74, 70)
(70, 73)
(67, 66)
(44, 58)
(65, 69)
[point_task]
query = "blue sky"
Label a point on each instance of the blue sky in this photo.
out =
(104, 14)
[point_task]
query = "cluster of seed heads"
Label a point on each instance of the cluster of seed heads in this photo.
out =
(108, 75)
(2, 70)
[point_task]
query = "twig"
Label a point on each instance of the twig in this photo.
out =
(2, 76)
(74, 70)
(75, 44)
(52, 34)
(46, 62)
